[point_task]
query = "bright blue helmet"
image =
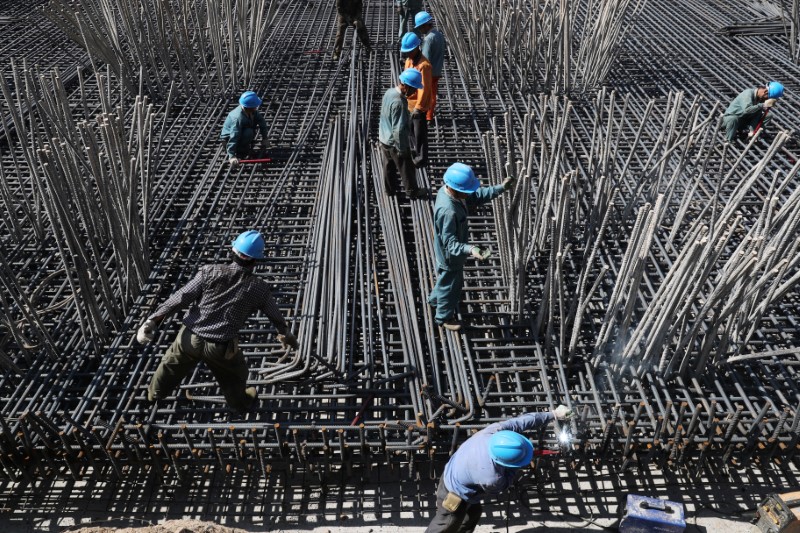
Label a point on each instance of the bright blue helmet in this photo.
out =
(410, 42)
(461, 178)
(510, 449)
(422, 18)
(774, 89)
(411, 77)
(249, 99)
(250, 243)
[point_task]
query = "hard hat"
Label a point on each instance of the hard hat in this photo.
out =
(250, 243)
(411, 77)
(774, 89)
(510, 449)
(461, 178)
(249, 99)
(410, 42)
(422, 18)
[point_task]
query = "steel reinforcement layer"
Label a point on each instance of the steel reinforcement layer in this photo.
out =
(375, 382)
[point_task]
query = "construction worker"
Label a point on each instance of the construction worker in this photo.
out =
(394, 135)
(433, 47)
(750, 109)
(486, 463)
(420, 102)
(461, 189)
(349, 13)
(239, 130)
(407, 9)
(222, 298)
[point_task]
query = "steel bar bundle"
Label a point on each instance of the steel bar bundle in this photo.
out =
(203, 45)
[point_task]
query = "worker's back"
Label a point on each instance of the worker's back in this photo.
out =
(471, 472)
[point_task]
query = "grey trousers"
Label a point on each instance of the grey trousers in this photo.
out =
(462, 520)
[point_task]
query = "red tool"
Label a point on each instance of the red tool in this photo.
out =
(537, 453)
(264, 160)
(760, 122)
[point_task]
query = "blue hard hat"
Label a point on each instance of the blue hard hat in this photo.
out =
(422, 18)
(250, 243)
(410, 42)
(774, 89)
(510, 449)
(411, 77)
(461, 178)
(249, 99)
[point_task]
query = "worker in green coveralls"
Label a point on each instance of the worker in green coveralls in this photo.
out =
(750, 109)
(460, 191)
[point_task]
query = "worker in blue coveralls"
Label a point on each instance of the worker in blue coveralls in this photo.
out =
(407, 9)
(486, 463)
(239, 130)
(461, 190)
(749, 108)
(433, 47)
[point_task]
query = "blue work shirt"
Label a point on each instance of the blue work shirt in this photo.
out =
(433, 47)
(745, 104)
(235, 125)
(451, 228)
(471, 473)
(393, 129)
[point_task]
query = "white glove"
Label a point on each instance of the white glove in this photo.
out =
(480, 254)
(770, 102)
(562, 412)
(750, 134)
(233, 161)
(146, 332)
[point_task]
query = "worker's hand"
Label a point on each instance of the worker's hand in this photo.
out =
(509, 183)
(288, 340)
(563, 412)
(479, 253)
(770, 102)
(146, 332)
(417, 113)
(233, 161)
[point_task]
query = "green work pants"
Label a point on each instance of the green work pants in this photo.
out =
(446, 294)
(224, 359)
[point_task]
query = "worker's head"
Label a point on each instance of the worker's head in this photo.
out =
(774, 89)
(461, 180)
(423, 22)
(249, 100)
(510, 449)
(249, 246)
(409, 45)
(410, 81)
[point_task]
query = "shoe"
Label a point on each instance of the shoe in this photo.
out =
(252, 397)
(335, 57)
(452, 324)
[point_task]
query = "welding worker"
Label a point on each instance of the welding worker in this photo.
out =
(461, 190)
(749, 109)
(486, 463)
(239, 130)
(393, 134)
(407, 9)
(420, 102)
(349, 13)
(433, 47)
(222, 297)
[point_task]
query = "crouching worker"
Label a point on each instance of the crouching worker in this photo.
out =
(486, 463)
(239, 130)
(222, 298)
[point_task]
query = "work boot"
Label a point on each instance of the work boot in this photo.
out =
(452, 324)
(252, 397)
(335, 56)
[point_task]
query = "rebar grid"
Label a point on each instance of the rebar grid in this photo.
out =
(374, 382)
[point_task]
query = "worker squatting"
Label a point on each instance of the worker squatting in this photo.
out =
(220, 298)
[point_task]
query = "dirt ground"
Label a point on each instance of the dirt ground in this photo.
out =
(171, 526)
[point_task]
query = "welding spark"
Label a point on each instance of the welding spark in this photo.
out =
(565, 437)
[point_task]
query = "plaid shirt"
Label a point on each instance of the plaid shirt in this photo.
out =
(223, 297)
